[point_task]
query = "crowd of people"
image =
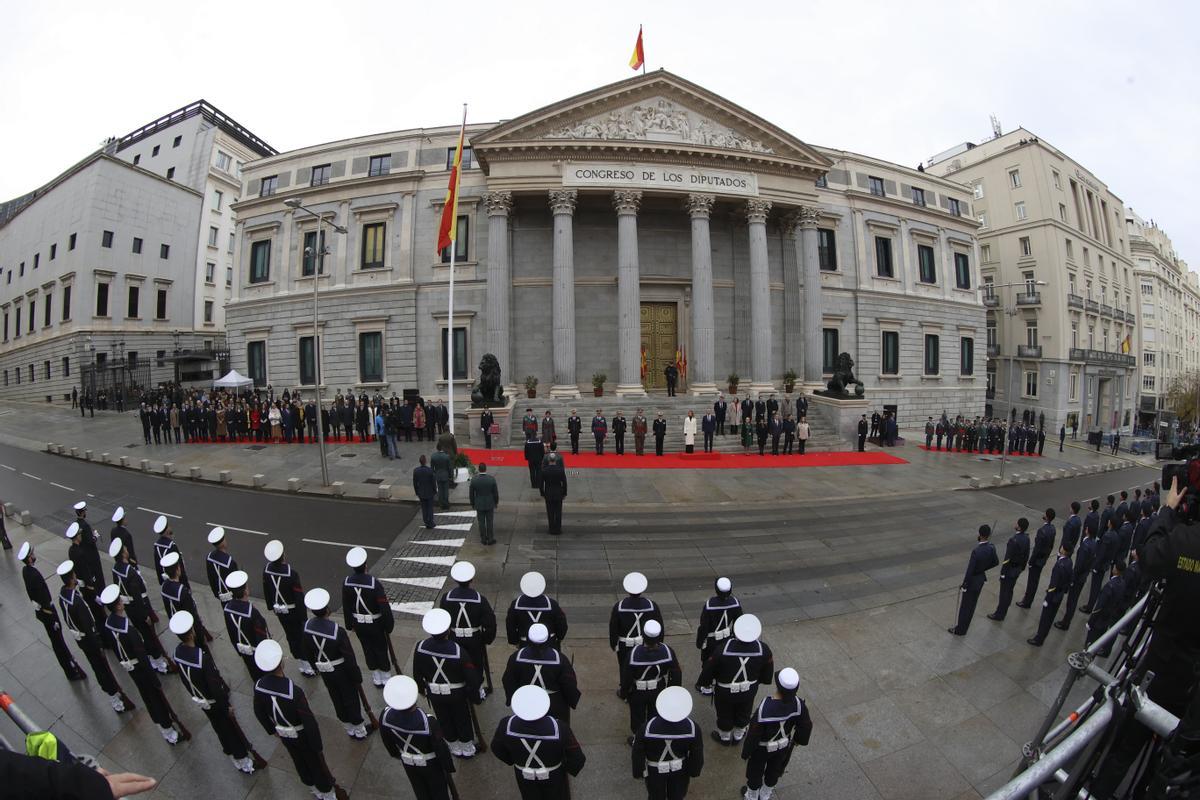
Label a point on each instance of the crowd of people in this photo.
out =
(450, 668)
(987, 435)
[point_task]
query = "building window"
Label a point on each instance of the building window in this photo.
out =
(32, 314)
(1075, 334)
(210, 273)
(822, 182)
(37, 258)
(66, 304)
(260, 261)
(223, 160)
(159, 356)
(827, 249)
(461, 243)
(46, 311)
(1147, 359)
(1026, 246)
(160, 304)
(137, 159)
(6, 326)
(955, 208)
(178, 140)
(46, 369)
(53, 251)
(1014, 178)
(962, 271)
(925, 265)
(1030, 282)
(208, 311)
(131, 311)
(1148, 383)
(1147, 290)
(228, 276)
(966, 355)
(137, 245)
(1054, 176)
(1073, 387)
(1031, 383)
(890, 352)
(380, 165)
(370, 357)
(931, 354)
(1087, 257)
(982, 218)
(977, 188)
(31, 373)
(106, 239)
(374, 236)
(269, 185)
(829, 349)
(1021, 213)
(21, 269)
(320, 175)
(308, 363)
(311, 249)
(918, 196)
(883, 257)
(101, 301)
(875, 185)
(170, 173)
(1070, 249)
(1031, 332)
(213, 233)
(468, 157)
(66, 366)
(460, 353)
(985, 253)
(256, 362)
(1062, 212)
(17, 327)
(164, 251)
(218, 197)
(154, 152)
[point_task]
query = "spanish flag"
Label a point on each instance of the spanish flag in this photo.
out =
(448, 228)
(638, 59)
(644, 362)
(1126, 344)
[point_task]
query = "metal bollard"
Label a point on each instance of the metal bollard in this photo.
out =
(26, 518)
(87, 454)
(74, 452)
(124, 461)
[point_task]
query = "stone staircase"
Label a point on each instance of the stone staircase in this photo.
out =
(823, 438)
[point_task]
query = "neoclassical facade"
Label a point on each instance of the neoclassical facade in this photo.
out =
(602, 235)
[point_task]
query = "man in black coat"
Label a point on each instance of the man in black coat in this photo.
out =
(1016, 556)
(599, 431)
(554, 490)
(875, 421)
(720, 409)
(1060, 583)
(708, 426)
(775, 427)
(574, 428)
(660, 433)
(1043, 546)
(534, 453)
(619, 426)
(485, 424)
(425, 485)
(862, 434)
(983, 558)
(671, 372)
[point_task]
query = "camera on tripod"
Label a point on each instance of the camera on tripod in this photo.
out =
(1188, 474)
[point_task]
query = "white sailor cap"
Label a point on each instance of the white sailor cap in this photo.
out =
(316, 599)
(652, 629)
(538, 633)
(436, 621)
(463, 571)
(788, 679)
(530, 702)
(181, 622)
(635, 583)
(24, 552)
(356, 557)
(114, 547)
(169, 560)
(267, 655)
(72, 530)
(216, 535)
(747, 628)
(673, 704)
(160, 524)
(400, 692)
(724, 585)
(65, 567)
(109, 594)
(273, 551)
(119, 514)
(81, 505)
(236, 579)
(533, 584)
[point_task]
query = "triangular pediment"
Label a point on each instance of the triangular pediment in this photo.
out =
(654, 112)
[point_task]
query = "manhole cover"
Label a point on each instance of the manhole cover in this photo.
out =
(374, 480)
(348, 455)
(256, 447)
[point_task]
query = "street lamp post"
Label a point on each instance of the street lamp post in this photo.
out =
(318, 255)
(1012, 408)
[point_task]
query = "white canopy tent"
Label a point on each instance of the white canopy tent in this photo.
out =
(233, 380)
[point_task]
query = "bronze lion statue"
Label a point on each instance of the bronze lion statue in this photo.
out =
(843, 377)
(488, 390)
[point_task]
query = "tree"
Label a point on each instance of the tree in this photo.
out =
(1183, 398)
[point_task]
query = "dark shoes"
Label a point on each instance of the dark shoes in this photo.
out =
(1022, 604)
(1061, 626)
(1085, 610)
(954, 631)
(996, 617)
(1034, 641)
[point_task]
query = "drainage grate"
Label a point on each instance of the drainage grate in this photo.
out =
(374, 480)
(348, 455)
(256, 447)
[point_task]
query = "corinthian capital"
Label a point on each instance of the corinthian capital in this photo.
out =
(757, 210)
(498, 204)
(699, 206)
(808, 216)
(562, 201)
(627, 201)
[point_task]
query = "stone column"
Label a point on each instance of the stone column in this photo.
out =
(562, 203)
(699, 207)
(760, 298)
(499, 282)
(808, 260)
(629, 307)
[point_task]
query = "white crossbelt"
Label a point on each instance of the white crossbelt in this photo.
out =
(364, 615)
(740, 683)
(668, 762)
(286, 730)
(324, 664)
(243, 644)
(535, 769)
(463, 620)
(722, 630)
(779, 741)
(411, 755)
(127, 663)
(197, 696)
(279, 606)
(444, 686)
(648, 684)
(633, 637)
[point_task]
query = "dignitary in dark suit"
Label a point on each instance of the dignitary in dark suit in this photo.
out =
(789, 434)
(671, 373)
(443, 474)
(720, 409)
(1060, 584)
(1016, 556)
(640, 427)
(708, 426)
(619, 427)
(1043, 547)
(485, 497)
(862, 434)
(425, 486)
(983, 558)
(599, 431)
(660, 433)
(486, 420)
(535, 452)
(554, 490)
(574, 428)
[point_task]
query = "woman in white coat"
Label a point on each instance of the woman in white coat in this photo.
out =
(802, 433)
(689, 432)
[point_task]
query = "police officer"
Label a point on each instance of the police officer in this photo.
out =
(132, 588)
(541, 749)
(43, 610)
(219, 564)
(628, 616)
(121, 532)
(983, 558)
(282, 709)
(717, 618)
(131, 655)
(1060, 584)
(533, 605)
(449, 679)
(246, 626)
(651, 667)
(669, 750)
(328, 648)
(781, 722)
(1016, 556)
(285, 595)
(1043, 547)
(415, 738)
(81, 624)
(177, 595)
(473, 622)
(733, 673)
(165, 543)
(539, 664)
(368, 613)
(204, 684)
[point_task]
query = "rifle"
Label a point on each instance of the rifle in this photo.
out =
(367, 707)
(184, 733)
(482, 746)
(487, 670)
(338, 791)
(450, 784)
(392, 653)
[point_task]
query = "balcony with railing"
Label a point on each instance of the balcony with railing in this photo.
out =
(1091, 306)
(1118, 315)
(990, 394)
(1074, 301)
(993, 351)
(1106, 310)
(1029, 351)
(1101, 357)
(1029, 299)
(990, 300)
(1130, 318)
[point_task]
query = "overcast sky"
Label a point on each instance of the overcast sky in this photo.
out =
(1113, 84)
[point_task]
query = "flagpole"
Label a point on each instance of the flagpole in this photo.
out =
(643, 48)
(450, 310)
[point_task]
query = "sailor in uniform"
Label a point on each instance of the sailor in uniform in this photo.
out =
(122, 533)
(414, 737)
(219, 564)
(780, 723)
(716, 619)
(541, 749)
(131, 655)
(282, 709)
(473, 621)
(629, 615)
(328, 648)
(128, 579)
(285, 595)
(449, 679)
(88, 569)
(80, 622)
(669, 750)
(177, 595)
(206, 687)
(165, 543)
(533, 606)
(539, 664)
(369, 614)
(246, 626)
(43, 610)
(652, 666)
(733, 673)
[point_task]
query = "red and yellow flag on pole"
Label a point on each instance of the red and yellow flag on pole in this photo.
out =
(448, 229)
(638, 59)
(643, 362)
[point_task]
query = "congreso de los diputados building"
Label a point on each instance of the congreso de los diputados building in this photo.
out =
(608, 233)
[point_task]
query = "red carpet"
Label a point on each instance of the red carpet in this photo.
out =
(975, 453)
(589, 460)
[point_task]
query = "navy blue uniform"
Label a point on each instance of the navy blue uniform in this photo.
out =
(668, 755)
(983, 558)
(543, 665)
(1016, 556)
(369, 614)
(206, 687)
(1106, 552)
(43, 610)
(1060, 584)
(625, 624)
(649, 670)
(1071, 531)
(282, 709)
(778, 726)
(416, 739)
(327, 647)
(1083, 565)
(525, 611)
(1109, 608)
(732, 674)
(1043, 548)
(716, 623)
(542, 753)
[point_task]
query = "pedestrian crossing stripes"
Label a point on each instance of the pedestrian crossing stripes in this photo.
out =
(470, 514)
(416, 570)
(455, 526)
(441, 542)
(413, 607)
(441, 561)
(425, 583)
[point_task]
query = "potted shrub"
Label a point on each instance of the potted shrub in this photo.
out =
(531, 384)
(464, 470)
(733, 380)
(789, 381)
(598, 384)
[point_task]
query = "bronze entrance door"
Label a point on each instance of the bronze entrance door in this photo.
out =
(660, 340)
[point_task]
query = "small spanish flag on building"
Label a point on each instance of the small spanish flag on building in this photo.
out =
(644, 364)
(638, 59)
(1126, 344)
